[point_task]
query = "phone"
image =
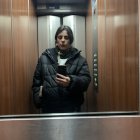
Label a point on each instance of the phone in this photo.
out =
(62, 70)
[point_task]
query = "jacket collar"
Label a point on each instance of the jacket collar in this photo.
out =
(52, 53)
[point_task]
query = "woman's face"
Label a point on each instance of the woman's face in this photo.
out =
(63, 41)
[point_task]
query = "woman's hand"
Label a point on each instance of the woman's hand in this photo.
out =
(62, 80)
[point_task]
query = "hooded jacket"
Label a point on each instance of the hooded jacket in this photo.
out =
(54, 96)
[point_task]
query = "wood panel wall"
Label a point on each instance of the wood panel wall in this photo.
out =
(90, 97)
(6, 55)
(18, 55)
(139, 47)
(118, 55)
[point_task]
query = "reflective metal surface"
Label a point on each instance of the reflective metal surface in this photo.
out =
(57, 127)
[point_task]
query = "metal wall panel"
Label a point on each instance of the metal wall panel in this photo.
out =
(47, 26)
(77, 23)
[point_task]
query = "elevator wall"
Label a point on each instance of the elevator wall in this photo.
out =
(118, 55)
(18, 55)
(115, 35)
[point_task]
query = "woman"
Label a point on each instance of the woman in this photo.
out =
(61, 92)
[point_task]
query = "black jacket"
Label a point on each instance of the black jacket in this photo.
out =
(55, 97)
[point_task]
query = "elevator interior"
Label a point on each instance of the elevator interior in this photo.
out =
(112, 58)
(111, 39)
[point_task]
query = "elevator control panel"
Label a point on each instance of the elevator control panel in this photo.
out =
(95, 70)
(95, 46)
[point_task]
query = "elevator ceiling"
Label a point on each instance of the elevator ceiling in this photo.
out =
(60, 7)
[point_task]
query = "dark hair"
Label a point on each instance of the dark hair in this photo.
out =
(69, 31)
